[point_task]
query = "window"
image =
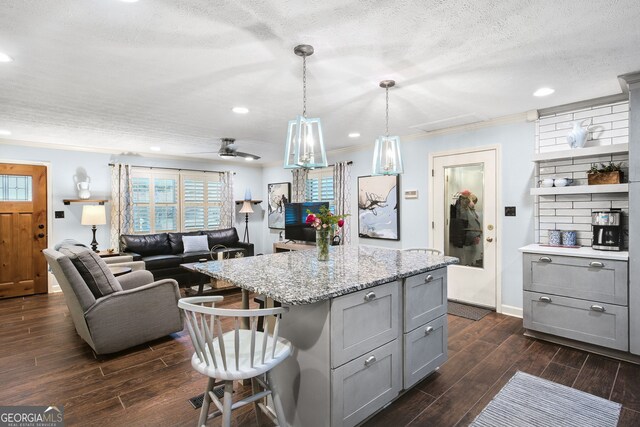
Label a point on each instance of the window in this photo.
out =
(171, 202)
(15, 188)
(320, 187)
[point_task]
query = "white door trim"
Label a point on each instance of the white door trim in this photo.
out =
(499, 214)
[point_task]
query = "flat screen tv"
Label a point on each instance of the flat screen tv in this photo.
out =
(295, 215)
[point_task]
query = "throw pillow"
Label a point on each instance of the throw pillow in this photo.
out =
(94, 271)
(195, 244)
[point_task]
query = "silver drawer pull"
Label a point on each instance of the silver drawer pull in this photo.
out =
(597, 264)
(428, 330)
(370, 296)
(545, 299)
(369, 361)
(598, 308)
(544, 259)
(428, 278)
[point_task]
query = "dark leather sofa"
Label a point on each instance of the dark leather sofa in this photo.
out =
(164, 252)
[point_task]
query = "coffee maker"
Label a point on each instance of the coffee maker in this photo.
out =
(607, 230)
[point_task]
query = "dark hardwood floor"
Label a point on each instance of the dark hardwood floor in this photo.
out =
(43, 361)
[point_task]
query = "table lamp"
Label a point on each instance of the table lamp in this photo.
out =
(93, 215)
(246, 210)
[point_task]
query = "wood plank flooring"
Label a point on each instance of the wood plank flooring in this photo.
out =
(43, 361)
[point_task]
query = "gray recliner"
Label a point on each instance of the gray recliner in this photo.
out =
(142, 310)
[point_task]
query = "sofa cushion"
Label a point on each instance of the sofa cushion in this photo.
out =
(195, 243)
(227, 237)
(175, 240)
(94, 271)
(154, 262)
(146, 244)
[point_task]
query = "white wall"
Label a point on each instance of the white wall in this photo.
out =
(517, 145)
(64, 164)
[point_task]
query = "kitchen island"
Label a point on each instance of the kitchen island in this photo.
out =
(366, 325)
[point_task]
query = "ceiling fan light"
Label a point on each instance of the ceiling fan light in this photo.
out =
(387, 159)
(305, 144)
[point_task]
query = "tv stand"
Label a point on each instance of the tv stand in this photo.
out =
(291, 246)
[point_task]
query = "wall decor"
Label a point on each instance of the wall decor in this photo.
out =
(278, 193)
(378, 207)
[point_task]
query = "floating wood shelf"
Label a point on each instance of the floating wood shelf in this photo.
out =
(255, 202)
(98, 201)
(581, 189)
(581, 152)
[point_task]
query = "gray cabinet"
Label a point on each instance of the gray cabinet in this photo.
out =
(425, 298)
(425, 349)
(577, 297)
(586, 278)
(593, 322)
(363, 321)
(365, 384)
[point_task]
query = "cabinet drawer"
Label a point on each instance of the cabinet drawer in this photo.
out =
(425, 298)
(425, 349)
(364, 385)
(578, 319)
(586, 278)
(363, 321)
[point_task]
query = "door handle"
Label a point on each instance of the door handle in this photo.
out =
(596, 264)
(370, 296)
(369, 361)
(489, 239)
(544, 299)
(428, 330)
(597, 308)
(41, 226)
(41, 235)
(544, 259)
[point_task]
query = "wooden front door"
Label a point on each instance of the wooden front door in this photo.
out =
(23, 230)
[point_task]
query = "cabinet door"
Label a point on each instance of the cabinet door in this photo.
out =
(587, 278)
(425, 349)
(589, 321)
(364, 385)
(363, 321)
(425, 298)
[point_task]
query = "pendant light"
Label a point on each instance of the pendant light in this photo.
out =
(387, 159)
(304, 146)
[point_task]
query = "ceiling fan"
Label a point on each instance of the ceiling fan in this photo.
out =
(228, 149)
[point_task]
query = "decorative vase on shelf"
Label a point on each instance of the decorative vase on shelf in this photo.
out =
(578, 135)
(83, 189)
(323, 241)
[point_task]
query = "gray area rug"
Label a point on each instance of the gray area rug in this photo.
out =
(466, 311)
(527, 400)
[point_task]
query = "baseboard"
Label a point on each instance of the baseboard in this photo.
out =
(510, 310)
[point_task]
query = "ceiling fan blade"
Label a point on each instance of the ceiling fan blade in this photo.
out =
(246, 155)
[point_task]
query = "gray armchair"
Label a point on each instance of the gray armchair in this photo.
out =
(132, 310)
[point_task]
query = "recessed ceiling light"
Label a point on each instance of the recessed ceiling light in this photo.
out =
(5, 58)
(5, 132)
(543, 91)
(354, 135)
(240, 110)
(154, 148)
(249, 159)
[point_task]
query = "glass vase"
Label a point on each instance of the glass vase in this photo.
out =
(323, 241)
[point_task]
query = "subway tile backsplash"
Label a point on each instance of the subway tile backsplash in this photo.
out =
(608, 124)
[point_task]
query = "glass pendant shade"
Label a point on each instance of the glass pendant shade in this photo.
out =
(305, 145)
(387, 159)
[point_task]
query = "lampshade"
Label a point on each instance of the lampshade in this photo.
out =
(93, 215)
(387, 159)
(304, 147)
(246, 207)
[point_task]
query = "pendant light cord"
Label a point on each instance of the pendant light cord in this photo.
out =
(304, 86)
(387, 110)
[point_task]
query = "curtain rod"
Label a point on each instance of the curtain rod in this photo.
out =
(171, 169)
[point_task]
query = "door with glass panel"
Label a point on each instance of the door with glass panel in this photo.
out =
(464, 223)
(23, 230)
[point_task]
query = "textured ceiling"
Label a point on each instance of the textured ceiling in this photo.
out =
(127, 76)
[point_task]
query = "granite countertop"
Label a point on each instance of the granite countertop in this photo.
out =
(583, 252)
(297, 278)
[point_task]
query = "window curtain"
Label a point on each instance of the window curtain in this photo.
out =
(299, 186)
(121, 203)
(227, 209)
(342, 191)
